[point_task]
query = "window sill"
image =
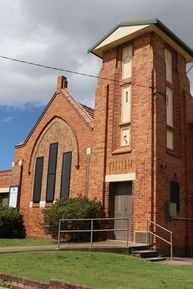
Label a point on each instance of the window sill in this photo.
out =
(126, 81)
(169, 84)
(41, 206)
(122, 150)
(49, 205)
(172, 153)
(125, 124)
(35, 205)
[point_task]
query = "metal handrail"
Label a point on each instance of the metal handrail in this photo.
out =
(92, 230)
(94, 219)
(157, 225)
(159, 237)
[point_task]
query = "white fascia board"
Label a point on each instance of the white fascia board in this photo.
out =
(4, 190)
(120, 33)
(120, 177)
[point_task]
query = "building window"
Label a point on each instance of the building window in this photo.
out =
(169, 118)
(175, 194)
(125, 136)
(168, 61)
(126, 104)
(170, 139)
(66, 174)
(126, 97)
(127, 62)
(50, 191)
(38, 179)
(4, 199)
(169, 107)
(169, 102)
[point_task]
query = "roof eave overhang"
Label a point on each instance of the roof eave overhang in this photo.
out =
(149, 26)
(100, 49)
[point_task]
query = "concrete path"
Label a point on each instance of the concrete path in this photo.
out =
(178, 261)
(28, 248)
(105, 246)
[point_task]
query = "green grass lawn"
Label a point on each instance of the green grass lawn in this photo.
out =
(25, 242)
(103, 271)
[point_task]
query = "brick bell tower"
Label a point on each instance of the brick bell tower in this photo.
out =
(134, 129)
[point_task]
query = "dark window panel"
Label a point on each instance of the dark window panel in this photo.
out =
(4, 199)
(53, 158)
(51, 172)
(175, 194)
(50, 188)
(38, 179)
(66, 174)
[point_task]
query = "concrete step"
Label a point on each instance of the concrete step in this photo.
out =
(156, 259)
(138, 248)
(145, 253)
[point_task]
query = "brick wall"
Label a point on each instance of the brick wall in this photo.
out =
(5, 178)
(151, 189)
(108, 157)
(59, 123)
(177, 160)
(26, 283)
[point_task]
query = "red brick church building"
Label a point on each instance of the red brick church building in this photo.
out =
(133, 151)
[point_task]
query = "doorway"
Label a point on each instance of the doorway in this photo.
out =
(122, 192)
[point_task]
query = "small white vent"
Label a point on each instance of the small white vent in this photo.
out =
(140, 237)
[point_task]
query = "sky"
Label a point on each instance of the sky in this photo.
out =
(59, 33)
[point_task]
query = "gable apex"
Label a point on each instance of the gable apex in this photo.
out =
(84, 112)
(79, 108)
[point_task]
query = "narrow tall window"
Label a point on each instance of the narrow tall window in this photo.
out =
(169, 101)
(66, 173)
(169, 118)
(126, 104)
(175, 194)
(169, 107)
(168, 61)
(127, 62)
(125, 137)
(51, 172)
(38, 179)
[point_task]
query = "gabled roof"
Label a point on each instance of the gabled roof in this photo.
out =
(83, 111)
(5, 171)
(79, 108)
(126, 31)
(89, 110)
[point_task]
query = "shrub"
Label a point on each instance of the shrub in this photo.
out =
(11, 224)
(76, 208)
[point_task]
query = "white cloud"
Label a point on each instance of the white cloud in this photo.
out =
(7, 119)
